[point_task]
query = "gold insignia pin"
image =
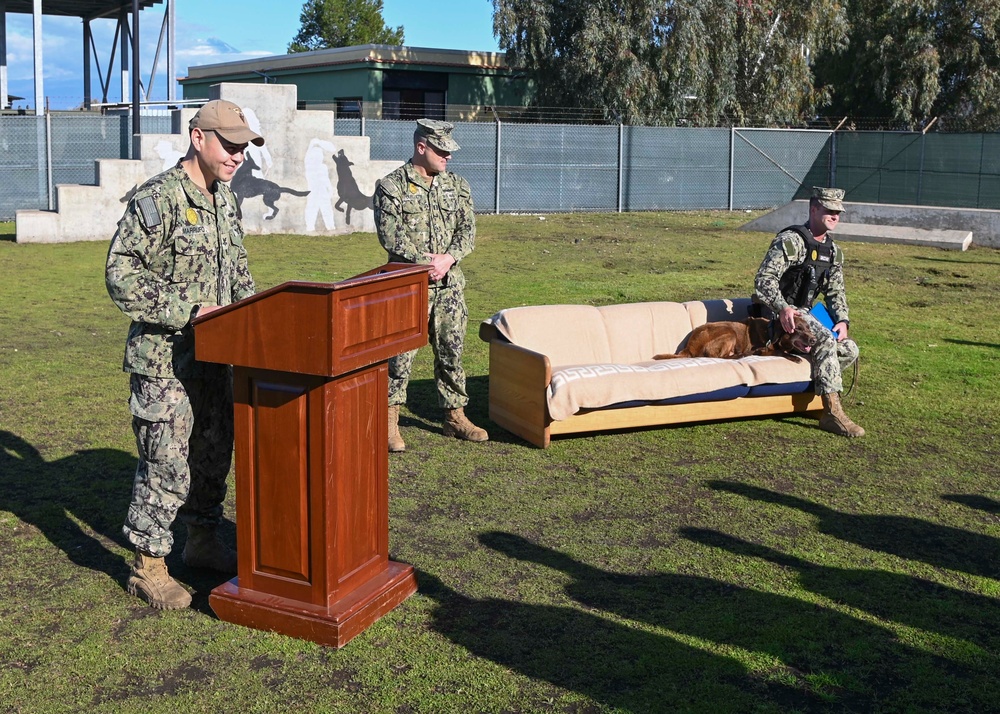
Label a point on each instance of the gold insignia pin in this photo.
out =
(815, 254)
(413, 189)
(192, 216)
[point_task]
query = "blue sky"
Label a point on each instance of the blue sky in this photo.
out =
(213, 31)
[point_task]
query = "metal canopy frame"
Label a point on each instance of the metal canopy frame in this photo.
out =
(125, 43)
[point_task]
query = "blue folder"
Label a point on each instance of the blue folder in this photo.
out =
(820, 312)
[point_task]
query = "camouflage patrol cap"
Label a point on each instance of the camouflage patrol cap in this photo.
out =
(227, 120)
(832, 199)
(437, 134)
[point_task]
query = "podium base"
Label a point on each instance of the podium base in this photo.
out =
(332, 626)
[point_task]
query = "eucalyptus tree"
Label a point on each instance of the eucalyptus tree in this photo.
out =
(919, 59)
(656, 61)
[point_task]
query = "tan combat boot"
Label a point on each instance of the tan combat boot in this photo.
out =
(396, 443)
(835, 420)
(151, 582)
(204, 549)
(457, 425)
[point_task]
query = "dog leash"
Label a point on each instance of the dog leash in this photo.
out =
(854, 381)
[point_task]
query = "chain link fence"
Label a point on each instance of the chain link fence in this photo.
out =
(538, 168)
(563, 168)
(39, 153)
(960, 170)
(517, 167)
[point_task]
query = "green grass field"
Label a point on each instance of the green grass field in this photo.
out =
(758, 565)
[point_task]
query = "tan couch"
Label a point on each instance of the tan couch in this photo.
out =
(563, 369)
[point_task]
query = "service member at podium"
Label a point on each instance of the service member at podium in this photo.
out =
(179, 250)
(423, 214)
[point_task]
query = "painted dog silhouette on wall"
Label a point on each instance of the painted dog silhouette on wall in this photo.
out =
(348, 193)
(246, 185)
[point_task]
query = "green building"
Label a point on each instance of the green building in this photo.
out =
(380, 81)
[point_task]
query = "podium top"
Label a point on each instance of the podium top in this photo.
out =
(324, 329)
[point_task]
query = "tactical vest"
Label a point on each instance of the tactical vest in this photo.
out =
(801, 283)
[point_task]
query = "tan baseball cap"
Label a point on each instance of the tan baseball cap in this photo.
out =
(227, 120)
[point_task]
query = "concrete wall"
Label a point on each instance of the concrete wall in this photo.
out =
(984, 223)
(304, 180)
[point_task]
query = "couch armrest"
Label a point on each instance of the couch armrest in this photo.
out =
(518, 382)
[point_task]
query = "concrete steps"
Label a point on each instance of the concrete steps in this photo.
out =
(938, 226)
(936, 238)
(84, 212)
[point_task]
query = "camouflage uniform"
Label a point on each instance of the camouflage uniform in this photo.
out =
(828, 356)
(414, 217)
(174, 251)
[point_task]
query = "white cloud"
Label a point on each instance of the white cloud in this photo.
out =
(62, 55)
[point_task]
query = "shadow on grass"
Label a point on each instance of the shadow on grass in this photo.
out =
(56, 497)
(614, 664)
(952, 260)
(972, 344)
(806, 656)
(905, 599)
(911, 538)
(79, 504)
(980, 503)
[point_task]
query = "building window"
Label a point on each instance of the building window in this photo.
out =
(349, 107)
(414, 95)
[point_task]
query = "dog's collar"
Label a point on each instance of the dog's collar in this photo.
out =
(771, 338)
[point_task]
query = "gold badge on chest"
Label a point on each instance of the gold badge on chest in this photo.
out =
(192, 216)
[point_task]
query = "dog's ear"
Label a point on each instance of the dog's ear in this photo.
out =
(783, 345)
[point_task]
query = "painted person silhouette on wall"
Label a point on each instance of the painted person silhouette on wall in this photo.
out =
(166, 151)
(260, 154)
(320, 200)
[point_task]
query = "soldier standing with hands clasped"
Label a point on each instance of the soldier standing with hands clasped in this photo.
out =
(178, 252)
(423, 214)
(802, 263)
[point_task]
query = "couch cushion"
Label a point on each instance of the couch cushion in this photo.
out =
(583, 334)
(637, 331)
(566, 334)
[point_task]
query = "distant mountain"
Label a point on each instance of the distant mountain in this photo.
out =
(221, 47)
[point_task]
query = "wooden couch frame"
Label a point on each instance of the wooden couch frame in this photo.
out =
(520, 377)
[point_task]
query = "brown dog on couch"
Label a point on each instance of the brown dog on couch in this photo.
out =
(753, 336)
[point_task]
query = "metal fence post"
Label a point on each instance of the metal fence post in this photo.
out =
(48, 160)
(833, 158)
(732, 163)
(496, 161)
(621, 162)
(920, 170)
(982, 158)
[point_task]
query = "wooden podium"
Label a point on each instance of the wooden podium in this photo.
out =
(310, 383)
